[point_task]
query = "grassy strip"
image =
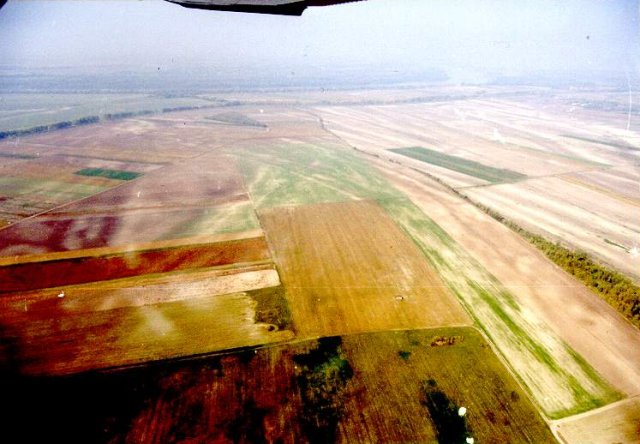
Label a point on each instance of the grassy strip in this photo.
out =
(109, 174)
(17, 156)
(236, 119)
(607, 241)
(617, 290)
(622, 146)
(460, 165)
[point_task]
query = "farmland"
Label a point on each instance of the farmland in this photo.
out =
(302, 174)
(579, 191)
(54, 270)
(184, 259)
(475, 169)
(367, 286)
(350, 388)
(615, 423)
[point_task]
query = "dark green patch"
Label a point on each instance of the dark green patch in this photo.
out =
(460, 165)
(322, 378)
(616, 245)
(450, 426)
(109, 174)
(404, 354)
(272, 307)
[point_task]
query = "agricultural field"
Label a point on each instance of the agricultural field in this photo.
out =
(192, 321)
(559, 208)
(204, 197)
(402, 386)
(22, 111)
(559, 379)
(106, 263)
(348, 268)
(329, 244)
(468, 167)
(581, 186)
(619, 422)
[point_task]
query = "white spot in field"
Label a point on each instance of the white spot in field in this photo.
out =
(25, 307)
(462, 411)
(61, 294)
(138, 195)
(497, 136)
(634, 252)
(261, 111)
(399, 298)
(470, 440)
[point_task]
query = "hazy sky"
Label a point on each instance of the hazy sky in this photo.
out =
(507, 36)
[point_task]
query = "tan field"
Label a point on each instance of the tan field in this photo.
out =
(564, 209)
(348, 268)
(617, 423)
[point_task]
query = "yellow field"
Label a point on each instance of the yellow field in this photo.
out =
(348, 268)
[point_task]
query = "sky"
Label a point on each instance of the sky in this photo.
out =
(461, 37)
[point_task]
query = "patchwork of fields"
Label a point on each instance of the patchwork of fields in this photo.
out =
(267, 281)
(580, 166)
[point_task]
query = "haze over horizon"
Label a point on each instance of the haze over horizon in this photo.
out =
(468, 41)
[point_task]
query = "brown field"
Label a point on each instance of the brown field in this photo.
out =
(359, 388)
(103, 264)
(348, 268)
(588, 324)
(617, 423)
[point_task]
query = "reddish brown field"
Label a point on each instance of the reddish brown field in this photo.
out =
(105, 264)
(358, 388)
(347, 268)
(68, 341)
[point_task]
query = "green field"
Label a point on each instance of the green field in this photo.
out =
(228, 218)
(460, 165)
(109, 174)
(295, 174)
